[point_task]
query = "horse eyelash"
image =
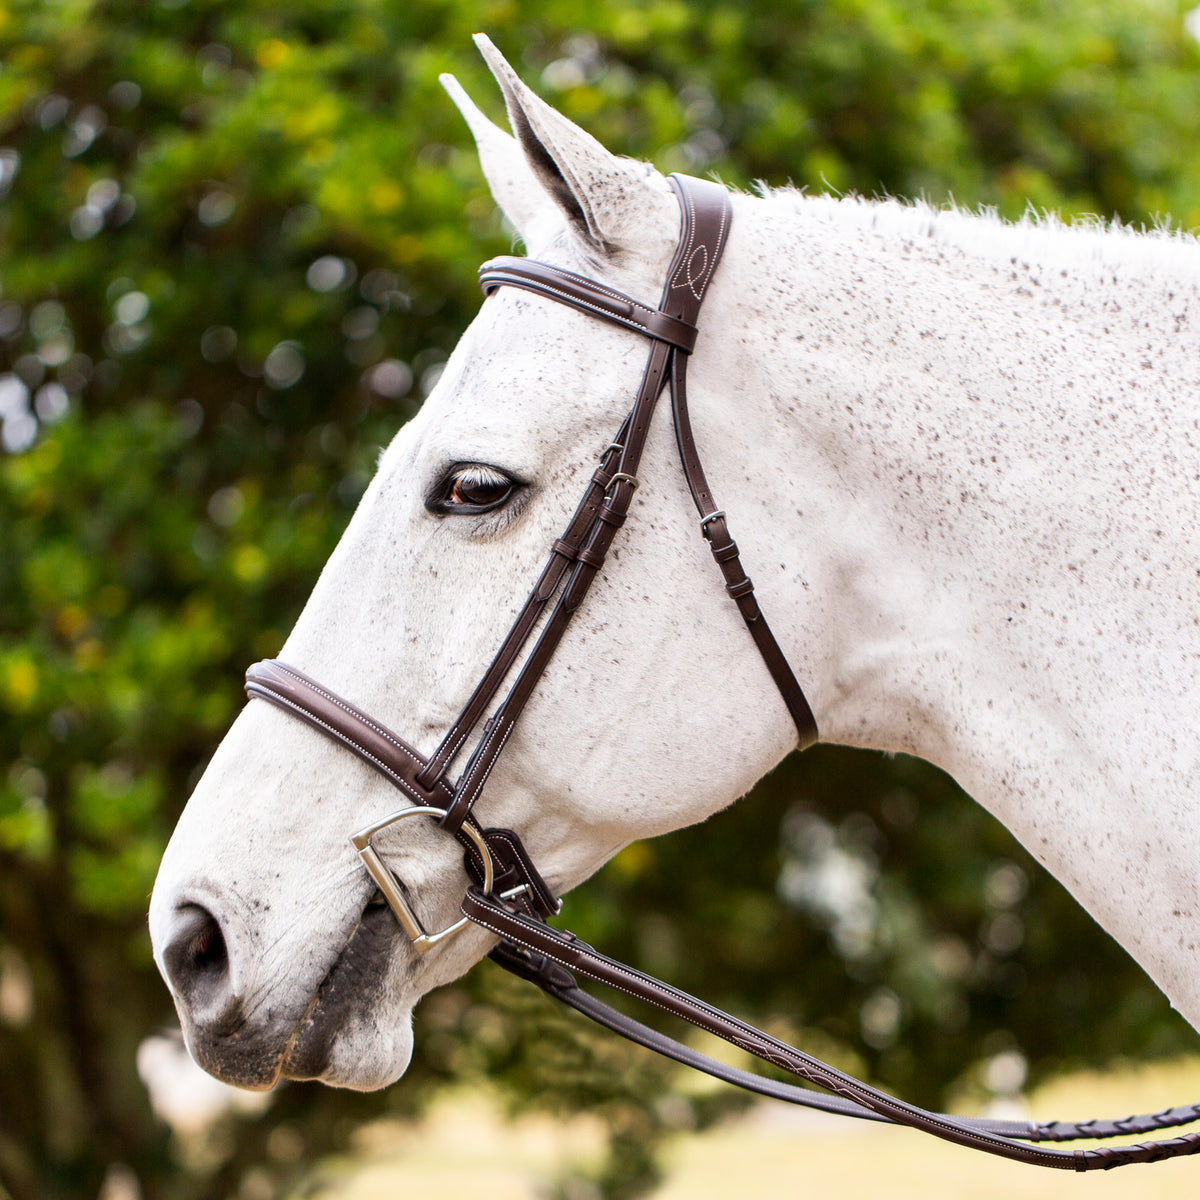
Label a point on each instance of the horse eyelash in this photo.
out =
(483, 474)
(491, 521)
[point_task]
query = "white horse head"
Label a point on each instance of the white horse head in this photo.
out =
(921, 454)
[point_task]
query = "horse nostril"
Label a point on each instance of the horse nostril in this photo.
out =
(207, 949)
(196, 958)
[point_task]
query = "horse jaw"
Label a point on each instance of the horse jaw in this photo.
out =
(261, 916)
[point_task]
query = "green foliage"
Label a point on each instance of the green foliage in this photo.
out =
(237, 239)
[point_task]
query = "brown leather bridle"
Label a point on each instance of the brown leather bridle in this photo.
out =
(509, 896)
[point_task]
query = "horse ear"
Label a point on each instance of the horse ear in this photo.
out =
(607, 200)
(513, 185)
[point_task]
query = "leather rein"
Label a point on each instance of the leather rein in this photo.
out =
(508, 895)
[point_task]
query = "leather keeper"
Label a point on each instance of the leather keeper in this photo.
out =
(611, 516)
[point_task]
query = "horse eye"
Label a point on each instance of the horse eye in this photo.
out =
(473, 488)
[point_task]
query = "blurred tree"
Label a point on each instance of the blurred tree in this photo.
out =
(238, 240)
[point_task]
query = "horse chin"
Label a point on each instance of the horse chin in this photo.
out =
(360, 1055)
(355, 1033)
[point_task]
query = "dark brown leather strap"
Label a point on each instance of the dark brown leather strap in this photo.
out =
(374, 743)
(546, 956)
(559, 983)
(550, 957)
(582, 572)
(564, 552)
(400, 764)
(705, 225)
(704, 228)
(588, 296)
(714, 526)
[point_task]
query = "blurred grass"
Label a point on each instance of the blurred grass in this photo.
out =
(777, 1153)
(465, 1147)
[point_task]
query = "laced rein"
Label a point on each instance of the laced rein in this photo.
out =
(509, 897)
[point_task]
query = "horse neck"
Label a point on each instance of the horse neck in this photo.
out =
(961, 437)
(972, 440)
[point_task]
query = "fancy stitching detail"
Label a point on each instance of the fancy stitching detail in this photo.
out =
(352, 712)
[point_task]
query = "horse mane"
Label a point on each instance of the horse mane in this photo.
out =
(1085, 245)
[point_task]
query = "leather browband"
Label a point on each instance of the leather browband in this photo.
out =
(588, 296)
(519, 903)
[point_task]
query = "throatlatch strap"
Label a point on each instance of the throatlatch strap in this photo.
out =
(714, 526)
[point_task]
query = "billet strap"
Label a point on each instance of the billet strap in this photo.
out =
(400, 764)
(550, 958)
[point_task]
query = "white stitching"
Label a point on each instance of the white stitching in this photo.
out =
(515, 267)
(690, 248)
(531, 284)
(798, 1062)
(686, 251)
(573, 300)
(484, 756)
(350, 711)
(356, 747)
